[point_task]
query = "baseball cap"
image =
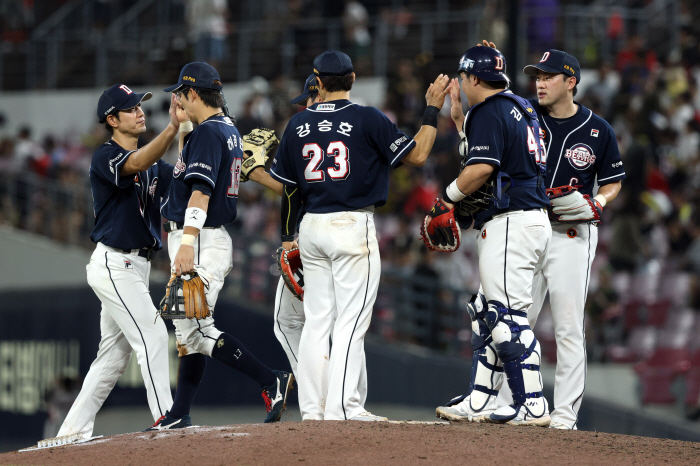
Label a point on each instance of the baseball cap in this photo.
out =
(197, 74)
(556, 61)
(332, 63)
(118, 97)
(310, 88)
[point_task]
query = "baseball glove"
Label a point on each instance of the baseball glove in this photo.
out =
(185, 298)
(257, 145)
(570, 206)
(440, 231)
(289, 263)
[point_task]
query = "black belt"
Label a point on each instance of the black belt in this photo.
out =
(172, 226)
(149, 254)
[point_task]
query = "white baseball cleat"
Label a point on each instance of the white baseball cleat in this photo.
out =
(558, 425)
(519, 415)
(367, 416)
(462, 412)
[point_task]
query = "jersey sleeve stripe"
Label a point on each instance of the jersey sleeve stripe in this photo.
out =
(491, 160)
(398, 156)
(272, 173)
(611, 177)
(199, 175)
(119, 164)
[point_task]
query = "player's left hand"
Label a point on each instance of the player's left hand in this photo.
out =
(486, 43)
(437, 91)
(184, 260)
(289, 245)
(456, 103)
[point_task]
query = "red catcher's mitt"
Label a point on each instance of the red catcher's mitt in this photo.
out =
(440, 230)
(289, 262)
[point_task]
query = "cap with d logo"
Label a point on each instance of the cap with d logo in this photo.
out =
(556, 61)
(118, 97)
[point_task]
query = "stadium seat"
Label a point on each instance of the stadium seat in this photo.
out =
(640, 345)
(658, 372)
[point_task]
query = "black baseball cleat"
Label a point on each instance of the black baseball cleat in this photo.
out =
(167, 422)
(276, 396)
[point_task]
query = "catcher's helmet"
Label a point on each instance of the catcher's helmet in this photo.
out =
(484, 63)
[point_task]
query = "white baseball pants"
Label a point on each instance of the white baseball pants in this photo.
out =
(341, 275)
(127, 322)
(214, 252)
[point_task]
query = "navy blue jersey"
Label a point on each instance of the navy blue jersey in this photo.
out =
(580, 149)
(212, 154)
(503, 131)
(338, 153)
(126, 207)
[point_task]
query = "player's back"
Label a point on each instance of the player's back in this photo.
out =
(338, 154)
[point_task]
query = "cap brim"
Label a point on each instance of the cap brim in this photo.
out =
(531, 70)
(299, 99)
(135, 99)
(173, 88)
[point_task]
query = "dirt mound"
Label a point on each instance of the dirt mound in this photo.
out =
(338, 442)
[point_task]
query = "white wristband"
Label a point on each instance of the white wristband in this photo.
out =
(453, 192)
(188, 239)
(602, 199)
(186, 127)
(195, 217)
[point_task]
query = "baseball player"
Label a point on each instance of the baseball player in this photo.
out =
(582, 152)
(127, 184)
(289, 312)
(335, 158)
(200, 201)
(504, 158)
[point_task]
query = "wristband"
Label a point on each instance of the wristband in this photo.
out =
(430, 117)
(453, 194)
(287, 238)
(195, 217)
(188, 239)
(186, 127)
(600, 198)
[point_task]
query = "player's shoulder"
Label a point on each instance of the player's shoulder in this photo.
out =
(219, 126)
(110, 150)
(596, 119)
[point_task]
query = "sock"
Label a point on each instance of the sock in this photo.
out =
(231, 352)
(189, 374)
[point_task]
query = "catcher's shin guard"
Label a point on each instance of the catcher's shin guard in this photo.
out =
(519, 351)
(487, 374)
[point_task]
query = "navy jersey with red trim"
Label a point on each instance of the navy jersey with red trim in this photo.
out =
(339, 153)
(580, 148)
(503, 131)
(126, 208)
(212, 154)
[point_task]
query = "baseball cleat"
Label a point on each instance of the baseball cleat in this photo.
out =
(367, 416)
(458, 410)
(276, 396)
(519, 415)
(558, 425)
(168, 422)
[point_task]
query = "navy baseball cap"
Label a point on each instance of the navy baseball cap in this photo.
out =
(556, 61)
(118, 97)
(310, 88)
(197, 74)
(332, 63)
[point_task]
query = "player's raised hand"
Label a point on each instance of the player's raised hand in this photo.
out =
(437, 91)
(486, 43)
(176, 112)
(456, 103)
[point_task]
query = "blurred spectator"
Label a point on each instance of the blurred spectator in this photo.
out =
(207, 28)
(542, 22)
(355, 20)
(28, 155)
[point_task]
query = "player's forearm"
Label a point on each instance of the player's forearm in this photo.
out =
(149, 154)
(607, 193)
(185, 129)
(262, 177)
(424, 144)
(473, 177)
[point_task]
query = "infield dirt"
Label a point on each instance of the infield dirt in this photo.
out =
(365, 443)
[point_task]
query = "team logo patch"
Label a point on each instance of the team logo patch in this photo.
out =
(580, 156)
(179, 166)
(153, 186)
(571, 233)
(594, 133)
(128, 265)
(466, 63)
(483, 233)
